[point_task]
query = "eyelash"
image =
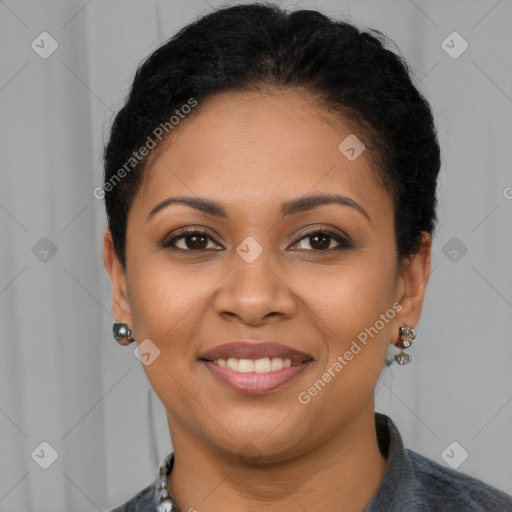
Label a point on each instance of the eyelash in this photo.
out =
(343, 242)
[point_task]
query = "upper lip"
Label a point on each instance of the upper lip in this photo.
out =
(255, 350)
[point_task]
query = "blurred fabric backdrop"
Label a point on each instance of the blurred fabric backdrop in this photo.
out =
(64, 382)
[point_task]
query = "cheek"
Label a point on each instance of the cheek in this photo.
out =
(357, 341)
(354, 311)
(167, 307)
(165, 301)
(353, 297)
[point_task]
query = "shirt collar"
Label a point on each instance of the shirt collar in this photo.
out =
(398, 481)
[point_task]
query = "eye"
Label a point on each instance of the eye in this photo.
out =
(192, 240)
(321, 240)
(197, 240)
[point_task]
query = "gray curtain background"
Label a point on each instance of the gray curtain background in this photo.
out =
(65, 383)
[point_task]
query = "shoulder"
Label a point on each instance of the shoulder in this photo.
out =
(415, 483)
(141, 502)
(453, 490)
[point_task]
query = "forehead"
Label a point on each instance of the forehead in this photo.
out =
(243, 146)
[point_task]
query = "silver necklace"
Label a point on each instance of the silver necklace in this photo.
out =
(163, 498)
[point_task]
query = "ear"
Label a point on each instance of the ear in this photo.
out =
(413, 279)
(120, 299)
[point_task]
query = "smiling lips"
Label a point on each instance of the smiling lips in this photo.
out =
(255, 368)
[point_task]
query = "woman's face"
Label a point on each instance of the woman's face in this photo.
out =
(257, 272)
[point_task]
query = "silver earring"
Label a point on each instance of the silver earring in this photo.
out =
(407, 335)
(122, 334)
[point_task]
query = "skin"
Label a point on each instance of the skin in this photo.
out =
(251, 152)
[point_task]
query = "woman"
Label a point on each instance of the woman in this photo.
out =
(271, 191)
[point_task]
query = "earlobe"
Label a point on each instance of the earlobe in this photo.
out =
(120, 300)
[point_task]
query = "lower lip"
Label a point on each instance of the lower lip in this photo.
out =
(253, 383)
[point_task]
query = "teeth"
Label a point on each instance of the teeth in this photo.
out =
(245, 365)
(276, 363)
(263, 365)
(232, 363)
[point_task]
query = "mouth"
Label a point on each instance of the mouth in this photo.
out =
(255, 368)
(263, 365)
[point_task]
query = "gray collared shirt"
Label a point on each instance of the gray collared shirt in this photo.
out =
(411, 483)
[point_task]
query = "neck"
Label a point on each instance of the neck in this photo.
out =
(343, 473)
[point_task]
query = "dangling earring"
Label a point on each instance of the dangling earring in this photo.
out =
(122, 334)
(407, 335)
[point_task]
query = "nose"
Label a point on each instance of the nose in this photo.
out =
(254, 293)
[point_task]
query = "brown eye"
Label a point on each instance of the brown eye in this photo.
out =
(320, 241)
(192, 241)
(195, 242)
(323, 241)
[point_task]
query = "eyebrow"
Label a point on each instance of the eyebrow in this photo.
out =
(291, 207)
